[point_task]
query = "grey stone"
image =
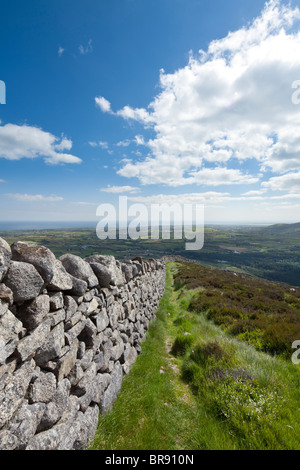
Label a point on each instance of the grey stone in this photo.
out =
(61, 280)
(66, 363)
(93, 305)
(88, 428)
(86, 387)
(106, 349)
(117, 278)
(79, 287)
(118, 347)
(55, 409)
(102, 320)
(71, 432)
(103, 274)
(25, 422)
(76, 373)
(81, 350)
(57, 317)
(77, 317)
(70, 306)
(99, 360)
(75, 331)
(112, 390)
(43, 388)
(87, 359)
(69, 424)
(130, 355)
(8, 368)
(52, 346)
(79, 268)
(7, 349)
(5, 257)
(14, 390)
(61, 436)
(102, 381)
(33, 312)
(8, 441)
(56, 301)
(24, 280)
(3, 307)
(31, 343)
(47, 440)
(115, 312)
(127, 271)
(88, 334)
(39, 256)
(6, 294)
(10, 327)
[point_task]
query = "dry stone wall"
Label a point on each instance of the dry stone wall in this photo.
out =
(69, 330)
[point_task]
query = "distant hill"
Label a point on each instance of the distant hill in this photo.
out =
(283, 229)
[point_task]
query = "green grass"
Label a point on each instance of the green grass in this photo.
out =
(194, 386)
(155, 410)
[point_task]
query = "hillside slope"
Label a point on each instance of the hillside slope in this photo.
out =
(195, 386)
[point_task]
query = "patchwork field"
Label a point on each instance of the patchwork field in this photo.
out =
(271, 253)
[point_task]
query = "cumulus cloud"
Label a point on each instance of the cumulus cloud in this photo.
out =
(189, 198)
(136, 114)
(34, 197)
(229, 104)
(124, 143)
(289, 182)
(24, 141)
(120, 189)
(84, 203)
(100, 143)
(103, 104)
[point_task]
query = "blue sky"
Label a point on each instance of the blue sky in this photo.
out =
(159, 100)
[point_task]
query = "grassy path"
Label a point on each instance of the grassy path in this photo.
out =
(154, 408)
(157, 410)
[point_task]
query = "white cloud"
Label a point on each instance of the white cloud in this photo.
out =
(65, 144)
(164, 170)
(60, 51)
(139, 140)
(258, 192)
(120, 189)
(289, 182)
(220, 176)
(231, 103)
(124, 143)
(34, 198)
(24, 141)
(100, 143)
(103, 104)
(86, 49)
(136, 114)
(190, 198)
(83, 203)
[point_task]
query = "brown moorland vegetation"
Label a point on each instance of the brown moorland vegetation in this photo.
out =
(263, 313)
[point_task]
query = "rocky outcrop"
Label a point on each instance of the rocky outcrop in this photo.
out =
(69, 330)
